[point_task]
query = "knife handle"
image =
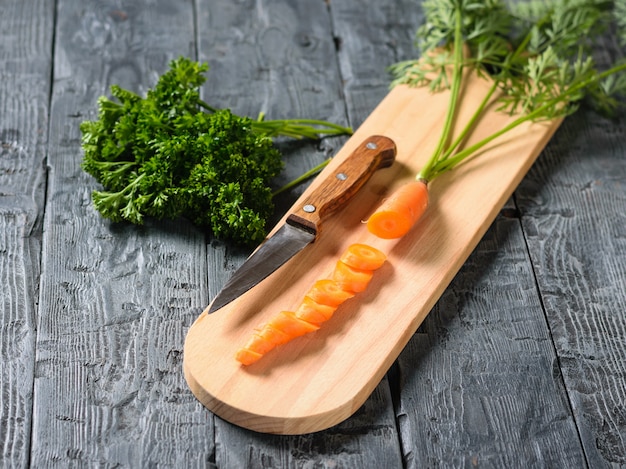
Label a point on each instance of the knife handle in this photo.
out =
(373, 153)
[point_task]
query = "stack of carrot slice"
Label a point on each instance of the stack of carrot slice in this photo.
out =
(351, 275)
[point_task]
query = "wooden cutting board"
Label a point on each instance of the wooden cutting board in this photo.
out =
(320, 379)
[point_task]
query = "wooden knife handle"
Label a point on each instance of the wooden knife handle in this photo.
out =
(372, 154)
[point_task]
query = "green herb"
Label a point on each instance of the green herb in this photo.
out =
(537, 54)
(170, 154)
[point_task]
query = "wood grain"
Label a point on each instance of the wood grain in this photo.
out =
(25, 64)
(380, 32)
(115, 299)
(370, 37)
(479, 383)
(322, 379)
(573, 207)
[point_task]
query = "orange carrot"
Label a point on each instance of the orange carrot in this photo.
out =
(352, 274)
(280, 329)
(313, 312)
(363, 257)
(291, 325)
(247, 357)
(397, 214)
(274, 336)
(328, 292)
(259, 344)
(351, 279)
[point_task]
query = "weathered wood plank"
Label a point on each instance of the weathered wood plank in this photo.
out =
(26, 60)
(368, 439)
(371, 36)
(573, 207)
(279, 57)
(479, 384)
(438, 392)
(115, 300)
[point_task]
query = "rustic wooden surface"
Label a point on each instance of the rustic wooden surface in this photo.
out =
(522, 363)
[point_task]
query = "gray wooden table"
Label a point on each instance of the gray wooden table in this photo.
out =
(522, 363)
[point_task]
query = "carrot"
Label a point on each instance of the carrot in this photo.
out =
(352, 274)
(351, 279)
(291, 325)
(313, 312)
(363, 257)
(280, 329)
(274, 336)
(247, 357)
(328, 292)
(259, 344)
(397, 214)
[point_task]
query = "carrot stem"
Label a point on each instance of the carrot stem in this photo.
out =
(457, 75)
(466, 130)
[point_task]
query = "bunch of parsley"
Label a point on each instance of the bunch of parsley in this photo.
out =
(170, 155)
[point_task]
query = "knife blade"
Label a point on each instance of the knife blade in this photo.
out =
(303, 226)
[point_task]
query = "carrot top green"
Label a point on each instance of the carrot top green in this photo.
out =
(537, 54)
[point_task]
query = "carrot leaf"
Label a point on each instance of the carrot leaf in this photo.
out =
(538, 55)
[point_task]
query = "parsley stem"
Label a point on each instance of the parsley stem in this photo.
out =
(303, 177)
(206, 106)
(299, 128)
(295, 128)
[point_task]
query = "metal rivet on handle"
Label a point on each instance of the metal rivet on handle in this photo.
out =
(341, 176)
(372, 146)
(308, 208)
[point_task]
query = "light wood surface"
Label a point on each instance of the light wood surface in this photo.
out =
(320, 379)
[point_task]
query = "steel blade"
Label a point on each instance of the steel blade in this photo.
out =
(274, 252)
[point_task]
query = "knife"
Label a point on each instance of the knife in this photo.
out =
(303, 225)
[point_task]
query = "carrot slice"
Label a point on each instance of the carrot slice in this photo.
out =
(363, 257)
(397, 214)
(287, 322)
(351, 279)
(313, 312)
(247, 357)
(328, 292)
(273, 336)
(259, 344)
(352, 274)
